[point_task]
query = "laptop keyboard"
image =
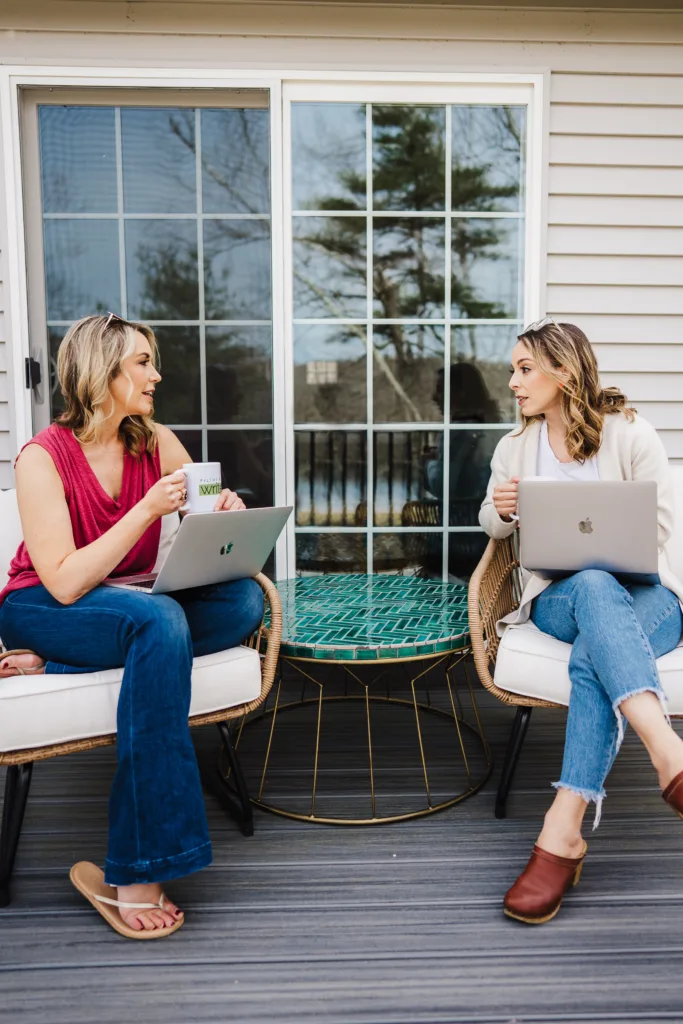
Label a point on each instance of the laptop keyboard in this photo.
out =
(145, 584)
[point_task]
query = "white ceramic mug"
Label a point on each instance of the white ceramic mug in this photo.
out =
(203, 483)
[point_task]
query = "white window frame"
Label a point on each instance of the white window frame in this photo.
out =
(361, 86)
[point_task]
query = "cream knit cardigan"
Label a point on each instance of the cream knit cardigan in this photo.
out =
(630, 450)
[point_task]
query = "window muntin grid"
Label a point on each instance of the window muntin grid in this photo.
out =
(163, 214)
(459, 321)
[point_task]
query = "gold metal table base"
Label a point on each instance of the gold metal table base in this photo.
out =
(476, 774)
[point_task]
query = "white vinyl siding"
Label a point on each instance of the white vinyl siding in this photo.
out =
(615, 235)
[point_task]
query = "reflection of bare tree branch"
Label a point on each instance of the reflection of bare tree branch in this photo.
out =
(356, 329)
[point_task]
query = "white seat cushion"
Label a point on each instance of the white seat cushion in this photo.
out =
(534, 664)
(36, 711)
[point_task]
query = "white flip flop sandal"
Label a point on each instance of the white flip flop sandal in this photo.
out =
(9, 673)
(89, 880)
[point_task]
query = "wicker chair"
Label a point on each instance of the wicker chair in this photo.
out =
(35, 706)
(529, 669)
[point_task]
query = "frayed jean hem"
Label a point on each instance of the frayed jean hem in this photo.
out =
(589, 795)
(616, 707)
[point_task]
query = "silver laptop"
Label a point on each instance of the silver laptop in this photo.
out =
(213, 547)
(567, 526)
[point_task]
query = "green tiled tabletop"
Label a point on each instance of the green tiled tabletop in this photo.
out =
(355, 617)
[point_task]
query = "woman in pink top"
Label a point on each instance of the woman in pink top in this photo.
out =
(91, 490)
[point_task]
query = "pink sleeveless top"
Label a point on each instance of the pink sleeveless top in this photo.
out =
(91, 509)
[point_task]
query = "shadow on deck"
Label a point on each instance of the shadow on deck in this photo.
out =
(399, 923)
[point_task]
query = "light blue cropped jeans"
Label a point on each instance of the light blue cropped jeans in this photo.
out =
(616, 633)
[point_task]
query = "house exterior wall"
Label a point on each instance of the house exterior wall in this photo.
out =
(614, 257)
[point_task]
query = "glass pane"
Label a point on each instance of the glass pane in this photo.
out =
(54, 337)
(159, 163)
(470, 469)
(330, 470)
(192, 440)
(409, 267)
(480, 373)
(410, 554)
(330, 269)
(330, 552)
(81, 267)
(408, 373)
(464, 554)
(178, 397)
(161, 269)
(408, 158)
(237, 269)
(488, 158)
(328, 156)
(403, 496)
(487, 261)
(238, 375)
(78, 159)
(329, 374)
(246, 458)
(235, 161)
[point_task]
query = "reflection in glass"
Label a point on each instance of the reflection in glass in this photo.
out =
(408, 157)
(238, 374)
(78, 159)
(192, 442)
(409, 267)
(81, 267)
(470, 468)
(487, 347)
(486, 268)
(330, 269)
(330, 552)
(464, 554)
(159, 163)
(235, 161)
(408, 554)
(161, 269)
(330, 374)
(328, 156)
(401, 494)
(237, 269)
(488, 153)
(246, 458)
(330, 475)
(407, 362)
(177, 398)
(54, 340)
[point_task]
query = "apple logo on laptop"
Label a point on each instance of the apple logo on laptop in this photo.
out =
(226, 549)
(586, 526)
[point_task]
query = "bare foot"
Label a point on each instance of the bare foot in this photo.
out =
(147, 920)
(32, 664)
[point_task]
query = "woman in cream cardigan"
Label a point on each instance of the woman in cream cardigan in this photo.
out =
(574, 429)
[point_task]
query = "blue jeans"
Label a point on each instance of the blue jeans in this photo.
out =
(157, 820)
(617, 632)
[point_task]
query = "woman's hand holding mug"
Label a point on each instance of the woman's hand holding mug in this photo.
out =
(228, 501)
(505, 499)
(167, 494)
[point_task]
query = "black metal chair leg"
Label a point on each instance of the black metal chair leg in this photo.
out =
(232, 795)
(17, 785)
(512, 753)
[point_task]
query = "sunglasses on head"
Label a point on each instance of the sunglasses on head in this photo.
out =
(538, 324)
(113, 316)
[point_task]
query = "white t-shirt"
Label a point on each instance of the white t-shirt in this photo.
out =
(548, 465)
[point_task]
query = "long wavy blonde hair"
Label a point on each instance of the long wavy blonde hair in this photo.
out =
(89, 358)
(563, 352)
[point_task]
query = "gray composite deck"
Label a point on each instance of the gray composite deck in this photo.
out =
(401, 923)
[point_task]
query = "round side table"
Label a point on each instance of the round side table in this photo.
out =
(364, 624)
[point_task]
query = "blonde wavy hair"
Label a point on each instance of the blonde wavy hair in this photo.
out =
(90, 356)
(565, 354)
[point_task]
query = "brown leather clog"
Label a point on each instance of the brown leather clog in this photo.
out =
(673, 794)
(537, 894)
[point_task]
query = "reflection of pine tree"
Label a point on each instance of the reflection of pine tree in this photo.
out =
(409, 175)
